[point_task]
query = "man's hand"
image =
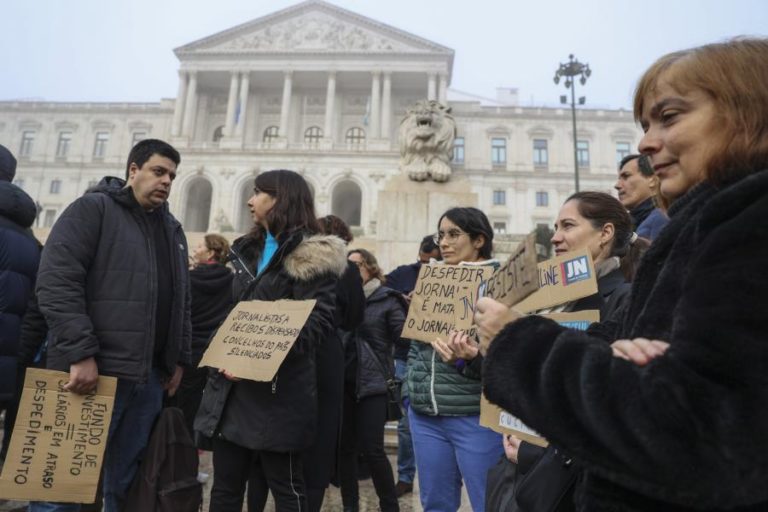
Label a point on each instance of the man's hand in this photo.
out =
(511, 447)
(83, 376)
(640, 351)
(491, 316)
(173, 383)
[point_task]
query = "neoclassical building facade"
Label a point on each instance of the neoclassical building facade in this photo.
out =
(320, 90)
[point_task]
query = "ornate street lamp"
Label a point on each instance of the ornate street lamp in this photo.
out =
(570, 70)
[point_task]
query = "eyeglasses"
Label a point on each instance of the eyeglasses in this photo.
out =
(451, 236)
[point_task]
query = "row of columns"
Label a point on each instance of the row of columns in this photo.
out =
(239, 88)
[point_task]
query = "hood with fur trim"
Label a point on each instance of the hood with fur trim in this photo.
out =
(315, 256)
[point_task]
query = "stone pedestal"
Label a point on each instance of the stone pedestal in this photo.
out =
(409, 210)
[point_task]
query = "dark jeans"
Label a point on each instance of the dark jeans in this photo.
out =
(363, 432)
(280, 473)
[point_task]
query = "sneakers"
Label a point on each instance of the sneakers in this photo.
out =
(402, 488)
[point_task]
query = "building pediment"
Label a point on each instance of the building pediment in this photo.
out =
(313, 26)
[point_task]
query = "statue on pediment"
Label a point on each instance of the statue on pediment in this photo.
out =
(426, 142)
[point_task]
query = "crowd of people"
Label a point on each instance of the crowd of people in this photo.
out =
(658, 406)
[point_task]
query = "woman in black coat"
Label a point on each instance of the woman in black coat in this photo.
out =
(368, 367)
(211, 287)
(260, 429)
(689, 429)
(545, 477)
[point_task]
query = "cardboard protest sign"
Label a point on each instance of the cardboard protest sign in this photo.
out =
(518, 277)
(444, 299)
(563, 279)
(499, 420)
(256, 336)
(58, 442)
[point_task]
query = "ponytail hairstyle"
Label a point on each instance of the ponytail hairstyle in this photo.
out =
(600, 209)
(218, 245)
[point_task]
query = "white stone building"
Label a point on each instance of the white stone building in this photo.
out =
(320, 90)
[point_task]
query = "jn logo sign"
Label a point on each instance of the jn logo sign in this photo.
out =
(575, 270)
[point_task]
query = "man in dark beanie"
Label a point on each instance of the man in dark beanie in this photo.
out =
(7, 164)
(19, 257)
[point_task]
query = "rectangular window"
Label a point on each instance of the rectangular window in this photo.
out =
(498, 151)
(55, 186)
(458, 150)
(500, 228)
(27, 140)
(50, 216)
(542, 199)
(499, 197)
(622, 150)
(100, 144)
(138, 137)
(540, 153)
(62, 147)
(582, 153)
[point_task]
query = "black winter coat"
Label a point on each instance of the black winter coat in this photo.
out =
(211, 286)
(281, 415)
(688, 431)
(375, 339)
(97, 286)
(19, 258)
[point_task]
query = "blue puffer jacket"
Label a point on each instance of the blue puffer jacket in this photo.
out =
(19, 258)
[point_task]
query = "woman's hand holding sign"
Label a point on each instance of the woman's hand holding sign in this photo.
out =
(640, 351)
(458, 346)
(490, 317)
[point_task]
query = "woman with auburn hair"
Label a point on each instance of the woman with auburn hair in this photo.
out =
(260, 429)
(684, 427)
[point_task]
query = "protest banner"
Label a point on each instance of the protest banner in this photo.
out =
(499, 420)
(58, 441)
(444, 299)
(256, 336)
(563, 279)
(518, 277)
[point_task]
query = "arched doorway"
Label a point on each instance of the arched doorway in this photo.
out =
(198, 206)
(346, 202)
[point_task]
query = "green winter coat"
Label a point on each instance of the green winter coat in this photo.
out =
(436, 388)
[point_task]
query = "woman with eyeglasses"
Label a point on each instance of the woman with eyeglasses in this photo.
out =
(687, 430)
(444, 398)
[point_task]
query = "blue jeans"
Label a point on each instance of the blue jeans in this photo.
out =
(449, 448)
(406, 463)
(136, 408)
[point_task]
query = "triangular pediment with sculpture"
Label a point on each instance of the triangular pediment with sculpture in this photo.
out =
(313, 27)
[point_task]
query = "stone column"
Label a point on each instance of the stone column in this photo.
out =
(229, 125)
(330, 97)
(245, 85)
(286, 107)
(190, 106)
(386, 106)
(178, 108)
(442, 95)
(431, 86)
(375, 119)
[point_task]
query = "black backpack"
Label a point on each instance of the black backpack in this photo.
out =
(167, 479)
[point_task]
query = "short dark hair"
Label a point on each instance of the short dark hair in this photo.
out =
(627, 159)
(428, 244)
(333, 225)
(143, 151)
(474, 223)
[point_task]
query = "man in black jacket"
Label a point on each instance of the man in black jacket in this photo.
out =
(114, 288)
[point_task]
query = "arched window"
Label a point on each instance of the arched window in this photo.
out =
(198, 206)
(271, 133)
(312, 135)
(355, 136)
(218, 133)
(346, 202)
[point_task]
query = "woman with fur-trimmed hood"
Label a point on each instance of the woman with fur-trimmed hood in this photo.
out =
(259, 429)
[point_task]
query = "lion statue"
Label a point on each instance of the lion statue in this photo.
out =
(426, 141)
